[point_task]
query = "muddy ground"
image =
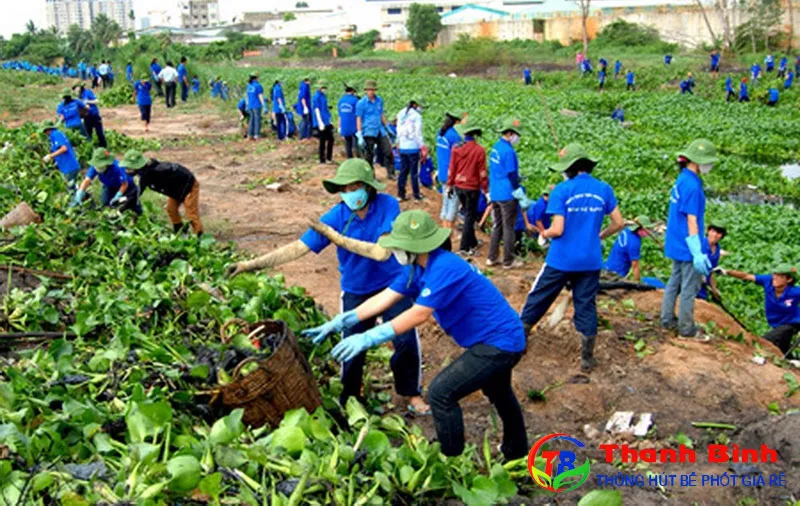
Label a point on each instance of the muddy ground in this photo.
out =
(679, 382)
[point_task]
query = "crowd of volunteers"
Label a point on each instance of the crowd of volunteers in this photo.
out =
(397, 269)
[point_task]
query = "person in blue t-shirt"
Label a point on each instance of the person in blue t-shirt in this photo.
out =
(623, 259)
(772, 97)
(141, 95)
(61, 151)
(467, 306)
(119, 189)
(789, 80)
(347, 120)
(537, 217)
(686, 87)
(667, 59)
(630, 79)
(715, 233)
(578, 207)
(505, 194)
(755, 73)
(617, 69)
(183, 79)
(364, 215)
(446, 139)
(195, 85)
(129, 72)
(769, 62)
(244, 116)
(92, 121)
(744, 96)
(371, 128)
(155, 69)
(683, 244)
(601, 78)
(278, 109)
(70, 110)
(782, 66)
(729, 91)
(303, 108)
(526, 76)
(781, 302)
(255, 105)
(715, 58)
(321, 120)
(618, 114)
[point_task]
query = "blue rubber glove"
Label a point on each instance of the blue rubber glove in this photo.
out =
(77, 198)
(115, 198)
(340, 322)
(361, 143)
(353, 346)
(700, 260)
(524, 201)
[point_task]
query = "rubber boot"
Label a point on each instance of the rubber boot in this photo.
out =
(587, 353)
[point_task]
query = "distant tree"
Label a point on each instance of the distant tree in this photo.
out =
(301, 5)
(584, 7)
(80, 42)
(289, 16)
(105, 30)
(423, 25)
(30, 27)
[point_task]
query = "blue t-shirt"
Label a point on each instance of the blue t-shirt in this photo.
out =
(444, 147)
(668, 59)
(466, 305)
(756, 70)
(242, 105)
(320, 101)
(617, 66)
(583, 201)
(71, 112)
(601, 76)
(789, 80)
(626, 249)
(195, 85)
(303, 93)
(113, 177)
(277, 95)
(254, 89)
(181, 72)
(713, 257)
(783, 310)
(155, 68)
(67, 162)
(729, 84)
(360, 275)
(503, 168)
(129, 71)
(783, 63)
(742, 90)
(347, 114)
(715, 59)
(618, 115)
(686, 197)
(89, 95)
(773, 94)
(538, 212)
(629, 77)
(142, 90)
(526, 73)
(371, 114)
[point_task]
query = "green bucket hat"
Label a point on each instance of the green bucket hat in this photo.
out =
(66, 92)
(511, 124)
(322, 83)
(700, 151)
(571, 154)
(352, 171)
(371, 84)
(463, 129)
(133, 159)
(349, 87)
(254, 74)
(48, 125)
(101, 159)
(720, 226)
(644, 221)
(416, 232)
(454, 116)
(784, 268)
(144, 77)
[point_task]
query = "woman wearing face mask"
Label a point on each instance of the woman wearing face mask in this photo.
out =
(690, 266)
(364, 214)
(468, 307)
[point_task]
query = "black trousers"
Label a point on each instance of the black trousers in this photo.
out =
(94, 123)
(486, 368)
(469, 202)
(782, 336)
(169, 91)
(326, 144)
(383, 143)
(504, 217)
(351, 146)
(184, 91)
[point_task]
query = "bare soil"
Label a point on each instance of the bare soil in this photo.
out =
(677, 381)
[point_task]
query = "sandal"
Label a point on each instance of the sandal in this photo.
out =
(417, 412)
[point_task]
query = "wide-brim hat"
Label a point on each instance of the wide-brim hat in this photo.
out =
(720, 226)
(644, 221)
(371, 84)
(322, 83)
(784, 268)
(101, 158)
(66, 92)
(511, 125)
(133, 159)
(416, 232)
(700, 151)
(144, 77)
(571, 154)
(463, 129)
(48, 125)
(254, 74)
(351, 171)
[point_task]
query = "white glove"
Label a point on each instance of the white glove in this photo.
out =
(542, 241)
(305, 110)
(47, 158)
(720, 270)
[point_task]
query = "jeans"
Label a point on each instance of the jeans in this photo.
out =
(549, 284)
(132, 193)
(169, 89)
(486, 368)
(383, 143)
(280, 125)
(254, 127)
(406, 362)
(305, 127)
(686, 282)
(469, 202)
(504, 216)
(93, 123)
(184, 91)
(326, 144)
(351, 146)
(782, 335)
(409, 165)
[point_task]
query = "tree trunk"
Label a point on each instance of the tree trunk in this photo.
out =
(708, 23)
(722, 9)
(585, 17)
(791, 26)
(753, 38)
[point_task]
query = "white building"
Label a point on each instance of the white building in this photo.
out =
(472, 14)
(199, 13)
(64, 13)
(328, 26)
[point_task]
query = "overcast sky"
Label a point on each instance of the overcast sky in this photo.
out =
(14, 19)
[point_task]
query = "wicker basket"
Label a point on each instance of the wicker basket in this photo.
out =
(280, 383)
(20, 215)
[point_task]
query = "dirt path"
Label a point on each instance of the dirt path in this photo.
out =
(677, 381)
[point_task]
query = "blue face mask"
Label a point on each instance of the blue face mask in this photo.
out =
(355, 200)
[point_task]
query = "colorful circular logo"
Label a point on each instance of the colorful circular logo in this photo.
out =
(558, 469)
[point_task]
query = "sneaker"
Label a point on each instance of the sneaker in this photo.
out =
(698, 337)
(419, 197)
(490, 263)
(466, 253)
(401, 199)
(516, 264)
